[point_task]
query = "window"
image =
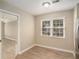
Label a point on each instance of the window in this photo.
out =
(46, 30)
(53, 28)
(58, 28)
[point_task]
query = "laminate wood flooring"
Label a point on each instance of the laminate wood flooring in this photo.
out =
(8, 49)
(44, 53)
(77, 56)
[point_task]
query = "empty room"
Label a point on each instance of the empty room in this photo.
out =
(39, 29)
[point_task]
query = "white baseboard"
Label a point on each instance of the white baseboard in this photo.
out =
(26, 49)
(10, 38)
(63, 50)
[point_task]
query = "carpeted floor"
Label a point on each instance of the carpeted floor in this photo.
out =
(44, 53)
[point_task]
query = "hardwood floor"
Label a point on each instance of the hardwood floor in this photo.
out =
(77, 56)
(44, 53)
(8, 49)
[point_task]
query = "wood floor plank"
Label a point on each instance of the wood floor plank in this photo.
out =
(44, 53)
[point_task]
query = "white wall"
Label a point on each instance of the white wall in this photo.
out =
(11, 30)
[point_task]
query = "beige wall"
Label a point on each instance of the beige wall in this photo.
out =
(78, 10)
(61, 43)
(0, 29)
(26, 25)
(11, 30)
(27, 31)
(0, 49)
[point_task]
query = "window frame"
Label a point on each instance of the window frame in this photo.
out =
(63, 18)
(45, 27)
(51, 27)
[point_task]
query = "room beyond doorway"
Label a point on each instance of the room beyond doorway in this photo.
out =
(9, 34)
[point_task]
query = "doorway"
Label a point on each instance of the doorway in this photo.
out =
(9, 34)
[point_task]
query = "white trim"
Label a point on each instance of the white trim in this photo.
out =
(53, 48)
(26, 49)
(63, 50)
(9, 12)
(63, 18)
(75, 30)
(18, 41)
(10, 38)
(75, 11)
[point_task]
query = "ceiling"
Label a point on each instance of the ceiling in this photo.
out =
(35, 6)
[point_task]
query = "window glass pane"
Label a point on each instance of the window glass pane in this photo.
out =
(55, 23)
(57, 27)
(61, 22)
(61, 34)
(57, 31)
(46, 31)
(58, 34)
(43, 29)
(46, 24)
(58, 23)
(54, 34)
(61, 30)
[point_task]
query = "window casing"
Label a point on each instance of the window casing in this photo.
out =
(53, 28)
(46, 28)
